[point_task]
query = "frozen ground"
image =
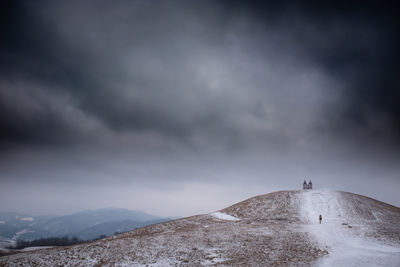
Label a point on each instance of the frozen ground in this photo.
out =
(260, 231)
(276, 229)
(347, 229)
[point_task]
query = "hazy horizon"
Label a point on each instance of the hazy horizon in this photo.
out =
(202, 211)
(178, 108)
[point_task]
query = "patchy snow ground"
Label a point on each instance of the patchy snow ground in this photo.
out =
(224, 216)
(344, 230)
(264, 236)
(276, 229)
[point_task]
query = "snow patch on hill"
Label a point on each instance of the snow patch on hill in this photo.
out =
(224, 216)
(35, 248)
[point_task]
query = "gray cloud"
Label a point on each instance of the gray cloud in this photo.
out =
(158, 94)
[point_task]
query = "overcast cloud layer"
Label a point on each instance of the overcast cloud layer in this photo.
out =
(183, 107)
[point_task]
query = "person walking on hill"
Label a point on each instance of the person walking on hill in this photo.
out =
(320, 218)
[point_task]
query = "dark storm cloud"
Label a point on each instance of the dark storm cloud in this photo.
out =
(137, 67)
(49, 51)
(32, 110)
(354, 43)
(360, 50)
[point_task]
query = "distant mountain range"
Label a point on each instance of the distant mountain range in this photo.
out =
(88, 224)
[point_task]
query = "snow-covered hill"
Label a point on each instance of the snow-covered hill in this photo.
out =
(356, 230)
(277, 229)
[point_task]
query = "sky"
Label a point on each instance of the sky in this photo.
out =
(179, 108)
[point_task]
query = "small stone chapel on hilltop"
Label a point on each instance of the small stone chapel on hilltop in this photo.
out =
(307, 186)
